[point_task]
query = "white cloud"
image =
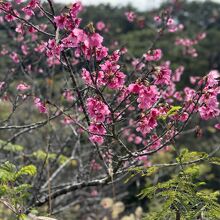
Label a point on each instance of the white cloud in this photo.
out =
(140, 4)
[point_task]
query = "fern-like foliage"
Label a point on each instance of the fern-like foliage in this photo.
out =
(13, 189)
(182, 197)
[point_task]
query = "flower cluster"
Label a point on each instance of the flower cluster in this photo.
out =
(148, 122)
(97, 132)
(97, 110)
(154, 55)
(209, 105)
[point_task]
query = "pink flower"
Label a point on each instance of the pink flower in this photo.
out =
(101, 52)
(33, 3)
(135, 88)
(19, 1)
(115, 56)
(75, 9)
(130, 16)
(154, 55)
(53, 49)
(94, 40)
(40, 105)
(23, 87)
(60, 21)
(155, 142)
(2, 84)
(209, 105)
(217, 126)
(212, 78)
(24, 49)
(207, 112)
(29, 9)
(170, 22)
(94, 192)
(40, 48)
(177, 74)
(97, 132)
(183, 117)
(100, 25)
(189, 94)
(76, 37)
(138, 140)
(116, 81)
(67, 120)
(97, 139)
(109, 67)
(157, 19)
(201, 36)
(95, 166)
(14, 56)
(148, 122)
(193, 79)
(112, 76)
(173, 26)
(137, 64)
(97, 78)
(19, 28)
(145, 160)
(4, 51)
(68, 95)
(86, 76)
(147, 97)
(162, 75)
(32, 30)
(6, 6)
(10, 17)
(97, 109)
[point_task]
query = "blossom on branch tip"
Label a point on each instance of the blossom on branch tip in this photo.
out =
(154, 55)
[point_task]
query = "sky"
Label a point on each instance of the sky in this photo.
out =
(140, 4)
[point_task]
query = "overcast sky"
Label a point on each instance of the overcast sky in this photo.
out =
(140, 4)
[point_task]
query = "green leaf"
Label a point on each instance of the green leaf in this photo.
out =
(7, 172)
(62, 159)
(27, 170)
(215, 160)
(173, 110)
(152, 170)
(22, 217)
(187, 156)
(11, 147)
(7, 166)
(3, 190)
(41, 155)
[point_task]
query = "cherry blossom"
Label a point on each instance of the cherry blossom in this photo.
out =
(154, 55)
(97, 132)
(40, 105)
(97, 109)
(130, 16)
(23, 87)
